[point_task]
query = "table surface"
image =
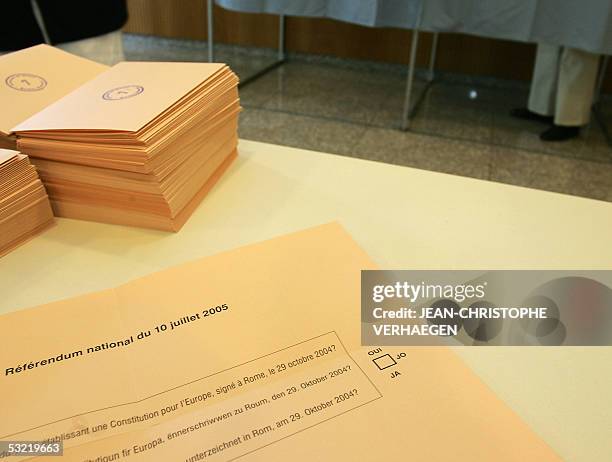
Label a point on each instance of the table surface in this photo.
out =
(405, 219)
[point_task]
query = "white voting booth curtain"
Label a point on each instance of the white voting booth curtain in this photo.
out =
(586, 25)
(373, 13)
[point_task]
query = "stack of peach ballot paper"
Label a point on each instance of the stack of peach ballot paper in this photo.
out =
(140, 144)
(24, 206)
(35, 77)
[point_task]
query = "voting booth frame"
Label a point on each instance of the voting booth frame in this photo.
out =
(435, 17)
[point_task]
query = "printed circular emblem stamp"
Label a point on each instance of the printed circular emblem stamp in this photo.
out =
(26, 82)
(127, 91)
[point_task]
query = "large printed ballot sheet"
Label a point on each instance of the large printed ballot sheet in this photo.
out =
(254, 354)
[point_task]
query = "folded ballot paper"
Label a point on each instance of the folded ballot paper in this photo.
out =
(35, 77)
(253, 354)
(140, 144)
(24, 206)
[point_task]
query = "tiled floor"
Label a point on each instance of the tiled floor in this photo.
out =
(354, 109)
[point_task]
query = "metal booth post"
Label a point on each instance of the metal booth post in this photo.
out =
(281, 57)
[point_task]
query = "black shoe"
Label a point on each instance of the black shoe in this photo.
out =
(526, 114)
(559, 133)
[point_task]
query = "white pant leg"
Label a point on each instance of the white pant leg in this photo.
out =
(543, 91)
(577, 77)
(105, 49)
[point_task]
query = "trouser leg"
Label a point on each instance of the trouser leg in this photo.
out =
(577, 76)
(543, 91)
